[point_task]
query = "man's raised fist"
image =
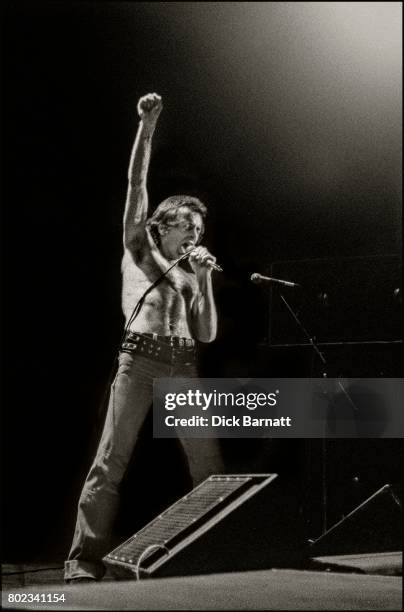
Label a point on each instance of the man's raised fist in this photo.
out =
(149, 107)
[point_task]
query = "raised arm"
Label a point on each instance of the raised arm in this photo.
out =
(135, 215)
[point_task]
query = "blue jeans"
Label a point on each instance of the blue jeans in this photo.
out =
(130, 399)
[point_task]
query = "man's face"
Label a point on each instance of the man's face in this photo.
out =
(182, 235)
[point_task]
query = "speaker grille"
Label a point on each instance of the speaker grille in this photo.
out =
(185, 515)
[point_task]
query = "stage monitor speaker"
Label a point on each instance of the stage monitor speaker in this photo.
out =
(227, 523)
(373, 527)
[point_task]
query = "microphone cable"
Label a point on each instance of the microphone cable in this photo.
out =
(135, 312)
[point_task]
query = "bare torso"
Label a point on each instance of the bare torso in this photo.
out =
(167, 309)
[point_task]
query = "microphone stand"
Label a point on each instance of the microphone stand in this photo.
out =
(323, 360)
(306, 333)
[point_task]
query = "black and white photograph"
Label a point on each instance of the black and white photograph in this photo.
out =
(202, 340)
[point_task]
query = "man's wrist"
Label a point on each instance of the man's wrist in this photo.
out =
(148, 128)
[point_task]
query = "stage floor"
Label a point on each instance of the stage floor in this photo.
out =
(274, 589)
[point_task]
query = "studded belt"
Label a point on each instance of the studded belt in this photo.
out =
(169, 349)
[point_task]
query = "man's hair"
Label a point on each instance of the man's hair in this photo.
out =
(168, 211)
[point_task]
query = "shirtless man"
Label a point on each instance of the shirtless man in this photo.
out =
(162, 325)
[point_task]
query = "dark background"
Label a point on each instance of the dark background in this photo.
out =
(286, 119)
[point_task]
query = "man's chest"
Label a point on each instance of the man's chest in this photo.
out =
(177, 284)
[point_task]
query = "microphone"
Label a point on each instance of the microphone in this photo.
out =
(258, 279)
(210, 263)
(214, 266)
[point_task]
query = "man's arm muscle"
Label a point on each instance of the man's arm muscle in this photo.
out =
(136, 207)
